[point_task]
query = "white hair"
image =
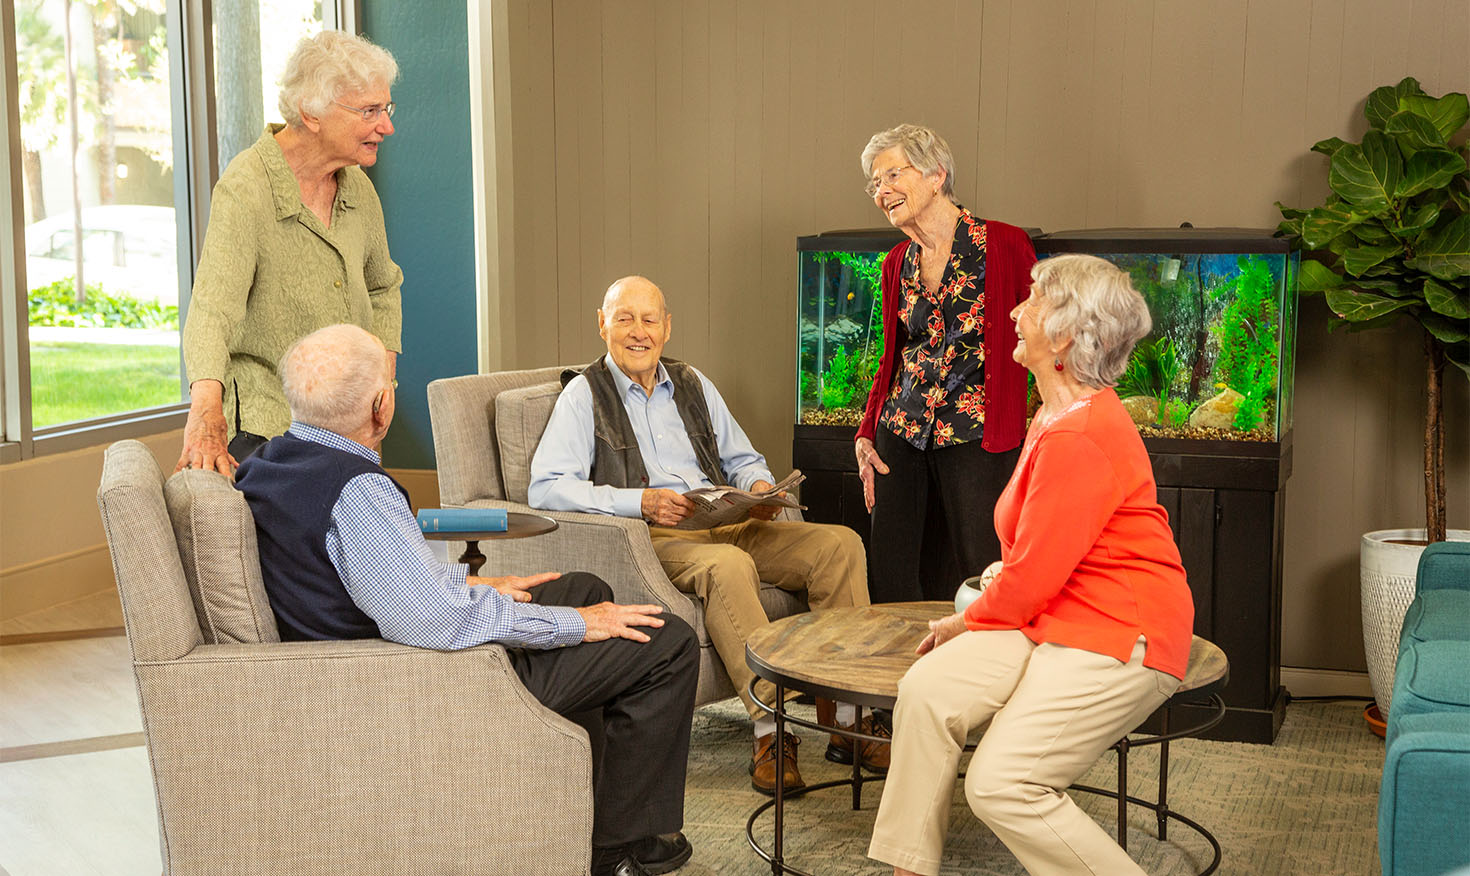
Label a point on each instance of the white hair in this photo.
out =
(924, 149)
(332, 376)
(324, 67)
(1094, 303)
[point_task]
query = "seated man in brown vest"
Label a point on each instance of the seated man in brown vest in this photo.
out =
(634, 432)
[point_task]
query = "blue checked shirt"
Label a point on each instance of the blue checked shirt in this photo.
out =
(391, 573)
(561, 470)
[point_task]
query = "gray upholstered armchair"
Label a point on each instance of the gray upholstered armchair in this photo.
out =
(319, 757)
(486, 428)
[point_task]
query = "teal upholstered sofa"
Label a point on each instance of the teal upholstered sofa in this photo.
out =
(1424, 803)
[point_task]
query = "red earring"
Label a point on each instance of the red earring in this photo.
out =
(1058, 365)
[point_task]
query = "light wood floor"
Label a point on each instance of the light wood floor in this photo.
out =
(75, 793)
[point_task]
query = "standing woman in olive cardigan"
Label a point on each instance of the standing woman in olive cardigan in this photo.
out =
(295, 242)
(946, 412)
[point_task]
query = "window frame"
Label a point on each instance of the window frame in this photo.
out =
(190, 27)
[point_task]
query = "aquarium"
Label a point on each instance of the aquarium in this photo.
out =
(839, 322)
(1219, 362)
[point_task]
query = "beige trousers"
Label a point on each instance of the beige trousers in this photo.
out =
(1051, 710)
(725, 566)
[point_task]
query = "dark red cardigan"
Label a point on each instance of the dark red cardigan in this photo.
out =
(1008, 261)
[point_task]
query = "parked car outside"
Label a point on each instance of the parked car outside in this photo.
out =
(126, 248)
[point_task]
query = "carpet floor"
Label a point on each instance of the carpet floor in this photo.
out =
(1306, 805)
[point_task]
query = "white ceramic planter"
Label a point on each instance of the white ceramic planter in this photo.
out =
(1387, 573)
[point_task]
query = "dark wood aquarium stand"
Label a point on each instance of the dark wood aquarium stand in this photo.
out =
(1227, 506)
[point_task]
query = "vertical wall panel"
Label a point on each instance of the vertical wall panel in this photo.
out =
(694, 141)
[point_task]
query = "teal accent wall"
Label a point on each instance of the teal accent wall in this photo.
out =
(423, 177)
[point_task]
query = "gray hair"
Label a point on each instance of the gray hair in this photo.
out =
(324, 67)
(332, 375)
(1094, 303)
(923, 148)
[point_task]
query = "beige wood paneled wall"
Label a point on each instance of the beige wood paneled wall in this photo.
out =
(693, 140)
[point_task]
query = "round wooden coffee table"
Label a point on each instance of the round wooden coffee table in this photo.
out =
(858, 655)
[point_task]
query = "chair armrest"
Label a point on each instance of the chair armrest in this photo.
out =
(283, 752)
(616, 549)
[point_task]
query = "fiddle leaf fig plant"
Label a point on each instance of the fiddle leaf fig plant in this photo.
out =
(1392, 240)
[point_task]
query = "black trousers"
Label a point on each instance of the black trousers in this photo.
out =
(642, 696)
(933, 517)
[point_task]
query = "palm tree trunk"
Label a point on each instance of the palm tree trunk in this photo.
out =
(1434, 486)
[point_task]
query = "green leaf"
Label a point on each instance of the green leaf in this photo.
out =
(1375, 234)
(1413, 132)
(1450, 331)
(1329, 146)
(1459, 355)
(1367, 176)
(1384, 102)
(1313, 276)
(1448, 114)
(1429, 169)
(1414, 225)
(1357, 306)
(1322, 224)
(1450, 302)
(1446, 252)
(1359, 259)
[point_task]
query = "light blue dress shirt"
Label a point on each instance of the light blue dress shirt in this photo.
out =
(561, 470)
(391, 573)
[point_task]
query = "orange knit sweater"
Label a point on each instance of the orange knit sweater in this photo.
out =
(1089, 559)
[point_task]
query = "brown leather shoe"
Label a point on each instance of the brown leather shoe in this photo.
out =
(875, 754)
(763, 765)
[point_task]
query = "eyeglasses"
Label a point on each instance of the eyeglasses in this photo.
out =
(888, 177)
(370, 113)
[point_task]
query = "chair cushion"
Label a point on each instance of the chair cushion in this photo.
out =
(1436, 615)
(520, 418)
(216, 538)
(1430, 678)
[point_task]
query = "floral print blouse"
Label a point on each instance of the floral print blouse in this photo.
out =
(940, 393)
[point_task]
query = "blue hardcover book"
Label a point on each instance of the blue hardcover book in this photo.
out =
(463, 520)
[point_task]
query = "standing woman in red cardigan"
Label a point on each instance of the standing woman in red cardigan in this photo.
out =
(945, 414)
(1084, 631)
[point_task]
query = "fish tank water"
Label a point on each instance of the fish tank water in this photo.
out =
(1219, 362)
(839, 322)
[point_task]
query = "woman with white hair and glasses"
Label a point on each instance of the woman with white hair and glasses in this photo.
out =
(1084, 631)
(295, 242)
(947, 406)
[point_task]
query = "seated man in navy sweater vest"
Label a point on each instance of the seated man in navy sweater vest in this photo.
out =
(343, 558)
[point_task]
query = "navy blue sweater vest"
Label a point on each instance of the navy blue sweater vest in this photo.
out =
(291, 486)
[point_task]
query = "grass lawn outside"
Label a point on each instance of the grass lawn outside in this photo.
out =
(78, 381)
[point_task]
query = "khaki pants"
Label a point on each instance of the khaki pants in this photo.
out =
(725, 566)
(1052, 711)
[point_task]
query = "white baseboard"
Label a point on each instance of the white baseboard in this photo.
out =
(1325, 682)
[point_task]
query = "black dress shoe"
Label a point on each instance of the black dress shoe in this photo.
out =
(664, 853)
(628, 866)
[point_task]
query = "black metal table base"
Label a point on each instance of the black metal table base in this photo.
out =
(1162, 813)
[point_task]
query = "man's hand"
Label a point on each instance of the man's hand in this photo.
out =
(665, 507)
(764, 512)
(206, 443)
(941, 631)
(869, 467)
(607, 620)
(513, 586)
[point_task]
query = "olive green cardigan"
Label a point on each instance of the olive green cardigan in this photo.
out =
(271, 273)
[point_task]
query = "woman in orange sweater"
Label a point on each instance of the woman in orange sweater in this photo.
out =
(1085, 630)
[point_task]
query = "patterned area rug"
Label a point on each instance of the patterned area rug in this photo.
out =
(1306, 805)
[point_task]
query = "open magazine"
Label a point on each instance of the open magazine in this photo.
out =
(720, 506)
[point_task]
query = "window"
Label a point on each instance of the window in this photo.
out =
(110, 140)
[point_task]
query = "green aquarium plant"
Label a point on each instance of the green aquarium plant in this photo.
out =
(1392, 240)
(1151, 372)
(1248, 330)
